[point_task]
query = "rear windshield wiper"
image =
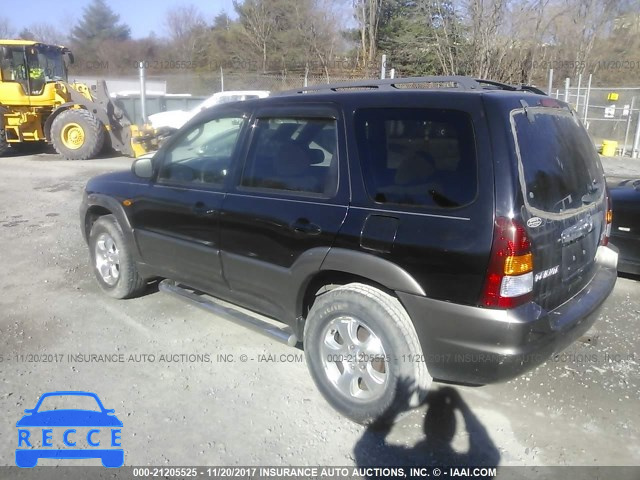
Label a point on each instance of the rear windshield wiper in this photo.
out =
(593, 187)
(591, 196)
(442, 200)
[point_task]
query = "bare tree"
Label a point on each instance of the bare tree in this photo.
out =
(442, 17)
(259, 19)
(6, 30)
(185, 25)
(318, 26)
(375, 6)
(589, 18)
(360, 13)
(43, 32)
(367, 14)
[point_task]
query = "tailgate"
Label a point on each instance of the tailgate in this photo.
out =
(564, 194)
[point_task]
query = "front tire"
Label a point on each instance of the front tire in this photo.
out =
(77, 134)
(112, 260)
(364, 354)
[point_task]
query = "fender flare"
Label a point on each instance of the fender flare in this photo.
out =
(49, 121)
(117, 210)
(374, 268)
(353, 262)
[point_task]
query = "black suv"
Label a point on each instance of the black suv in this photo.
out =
(402, 230)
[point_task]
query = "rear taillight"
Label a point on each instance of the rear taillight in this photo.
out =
(608, 220)
(509, 280)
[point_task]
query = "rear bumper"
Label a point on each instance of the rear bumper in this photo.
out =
(473, 345)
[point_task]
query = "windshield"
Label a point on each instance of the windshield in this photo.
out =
(44, 64)
(560, 169)
(51, 62)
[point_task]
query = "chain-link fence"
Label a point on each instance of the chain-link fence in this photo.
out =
(610, 114)
(210, 82)
(186, 90)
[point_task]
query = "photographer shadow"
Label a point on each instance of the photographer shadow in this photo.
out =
(440, 427)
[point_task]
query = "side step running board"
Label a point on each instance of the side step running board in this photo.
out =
(283, 335)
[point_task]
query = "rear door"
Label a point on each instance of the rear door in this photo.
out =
(290, 199)
(564, 196)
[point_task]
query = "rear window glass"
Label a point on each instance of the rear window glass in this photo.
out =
(560, 167)
(420, 157)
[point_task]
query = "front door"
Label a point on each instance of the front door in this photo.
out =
(176, 218)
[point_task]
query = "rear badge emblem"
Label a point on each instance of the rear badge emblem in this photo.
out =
(546, 273)
(534, 222)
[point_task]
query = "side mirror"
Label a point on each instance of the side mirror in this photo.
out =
(72, 59)
(143, 167)
(6, 53)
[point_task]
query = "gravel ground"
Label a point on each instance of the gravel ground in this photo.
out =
(618, 168)
(196, 409)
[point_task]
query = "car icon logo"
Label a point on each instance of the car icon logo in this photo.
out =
(69, 433)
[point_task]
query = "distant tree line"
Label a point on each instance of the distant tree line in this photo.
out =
(509, 40)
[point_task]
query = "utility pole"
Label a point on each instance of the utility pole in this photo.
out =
(143, 92)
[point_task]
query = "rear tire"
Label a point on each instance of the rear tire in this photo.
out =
(29, 148)
(77, 134)
(4, 145)
(364, 354)
(112, 261)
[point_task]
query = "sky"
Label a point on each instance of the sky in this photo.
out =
(143, 16)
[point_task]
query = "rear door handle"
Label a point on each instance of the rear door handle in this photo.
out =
(304, 226)
(202, 210)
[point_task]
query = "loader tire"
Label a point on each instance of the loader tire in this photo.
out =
(4, 145)
(77, 134)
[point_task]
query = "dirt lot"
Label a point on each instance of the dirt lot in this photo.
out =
(192, 408)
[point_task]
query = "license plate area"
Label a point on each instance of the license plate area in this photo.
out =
(577, 256)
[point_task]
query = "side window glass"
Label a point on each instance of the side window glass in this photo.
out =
(203, 154)
(418, 157)
(14, 69)
(293, 155)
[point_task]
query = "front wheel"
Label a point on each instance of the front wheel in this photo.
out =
(77, 134)
(112, 260)
(361, 349)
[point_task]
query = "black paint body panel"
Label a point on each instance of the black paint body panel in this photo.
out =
(262, 248)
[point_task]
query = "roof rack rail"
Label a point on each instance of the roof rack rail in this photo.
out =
(506, 86)
(532, 89)
(460, 81)
(498, 85)
(465, 83)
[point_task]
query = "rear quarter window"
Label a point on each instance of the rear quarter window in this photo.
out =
(417, 157)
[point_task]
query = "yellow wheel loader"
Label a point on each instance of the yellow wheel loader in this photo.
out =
(38, 104)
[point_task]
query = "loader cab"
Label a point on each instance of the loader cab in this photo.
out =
(32, 66)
